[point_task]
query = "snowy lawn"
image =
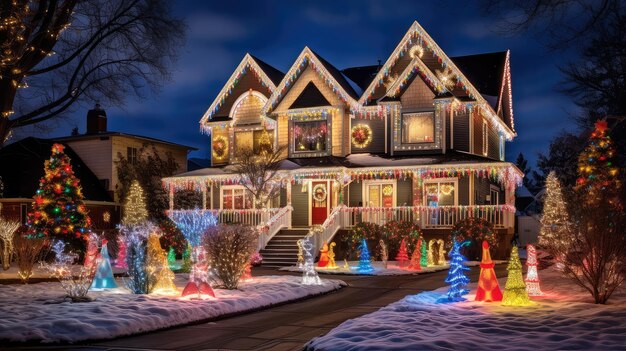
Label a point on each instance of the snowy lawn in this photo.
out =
(565, 319)
(39, 313)
(393, 268)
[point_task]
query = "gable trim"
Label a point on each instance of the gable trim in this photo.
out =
(416, 66)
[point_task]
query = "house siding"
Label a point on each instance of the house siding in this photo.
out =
(404, 192)
(494, 144)
(245, 83)
(216, 197)
(97, 155)
(300, 203)
(417, 95)
(377, 125)
(283, 197)
(461, 132)
(464, 191)
(356, 194)
(477, 122)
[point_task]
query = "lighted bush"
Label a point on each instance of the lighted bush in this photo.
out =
(364, 230)
(28, 250)
(395, 231)
(476, 230)
(228, 249)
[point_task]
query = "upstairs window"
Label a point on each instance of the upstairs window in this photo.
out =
(418, 128)
(310, 136)
(131, 155)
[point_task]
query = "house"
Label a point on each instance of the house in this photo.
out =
(23, 167)
(100, 149)
(420, 138)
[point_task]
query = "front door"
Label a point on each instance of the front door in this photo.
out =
(320, 198)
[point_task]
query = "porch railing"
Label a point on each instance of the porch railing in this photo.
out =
(281, 219)
(431, 217)
(337, 219)
(251, 217)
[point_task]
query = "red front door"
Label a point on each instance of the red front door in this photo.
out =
(320, 197)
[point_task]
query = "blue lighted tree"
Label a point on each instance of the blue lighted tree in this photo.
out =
(456, 274)
(365, 265)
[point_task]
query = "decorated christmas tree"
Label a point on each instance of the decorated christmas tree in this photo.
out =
(597, 166)
(365, 265)
(104, 273)
(456, 274)
(58, 210)
(488, 287)
(515, 289)
(416, 257)
(554, 232)
(265, 142)
(171, 258)
(424, 255)
(157, 267)
(532, 277)
(402, 257)
(135, 211)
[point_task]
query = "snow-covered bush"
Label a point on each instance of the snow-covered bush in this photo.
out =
(228, 249)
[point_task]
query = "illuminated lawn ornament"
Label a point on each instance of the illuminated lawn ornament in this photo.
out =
(120, 261)
(7, 228)
(515, 290)
(456, 274)
(424, 255)
(532, 277)
(300, 254)
(193, 224)
(323, 262)
(104, 273)
(309, 275)
(135, 237)
(402, 257)
(158, 268)
(488, 287)
(416, 257)
(365, 265)
(331, 257)
(384, 252)
(75, 279)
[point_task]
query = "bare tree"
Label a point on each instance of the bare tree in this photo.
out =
(67, 51)
(259, 173)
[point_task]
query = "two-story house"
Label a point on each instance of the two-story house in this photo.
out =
(420, 137)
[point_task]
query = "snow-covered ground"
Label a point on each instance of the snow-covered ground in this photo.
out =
(393, 268)
(39, 312)
(565, 319)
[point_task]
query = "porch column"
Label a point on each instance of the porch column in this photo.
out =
(204, 196)
(289, 193)
(171, 196)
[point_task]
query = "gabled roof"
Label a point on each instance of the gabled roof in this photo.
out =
(267, 75)
(310, 97)
(486, 72)
(109, 134)
(26, 158)
(362, 75)
(329, 74)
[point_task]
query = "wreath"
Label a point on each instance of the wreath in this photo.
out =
(361, 135)
(388, 190)
(319, 193)
(220, 147)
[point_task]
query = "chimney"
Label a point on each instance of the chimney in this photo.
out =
(96, 120)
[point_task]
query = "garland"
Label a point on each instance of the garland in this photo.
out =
(361, 135)
(220, 147)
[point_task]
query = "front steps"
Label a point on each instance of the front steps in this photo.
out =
(282, 249)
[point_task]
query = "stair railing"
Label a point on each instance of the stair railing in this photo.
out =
(281, 219)
(337, 219)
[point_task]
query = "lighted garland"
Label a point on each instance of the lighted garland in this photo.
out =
(361, 135)
(220, 147)
(319, 193)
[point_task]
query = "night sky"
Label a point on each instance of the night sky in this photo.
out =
(346, 33)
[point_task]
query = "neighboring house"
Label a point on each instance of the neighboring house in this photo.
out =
(22, 168)
(100, 149)
(420, 137)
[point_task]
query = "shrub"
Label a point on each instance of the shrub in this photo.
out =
(28, 250)
(75, 279)
(476, 230)
(364, 230)
(395, 231)
(140, 281)
(228, 249)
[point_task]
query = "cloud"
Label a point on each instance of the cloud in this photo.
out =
(215, 28)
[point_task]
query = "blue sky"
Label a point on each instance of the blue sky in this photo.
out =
(347, 33)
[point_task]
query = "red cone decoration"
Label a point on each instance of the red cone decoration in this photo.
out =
(402, 257)
(488, 287)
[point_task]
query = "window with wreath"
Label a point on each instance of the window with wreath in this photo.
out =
(235, 198)
(310, 136)
(254, 139)
(440, 193)
(418, 128)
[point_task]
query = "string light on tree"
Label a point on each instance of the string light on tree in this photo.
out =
(7, 228)
(456, 274)
(365, 263)
(135, 211)
(515, 289)
(532, 277)
(402, 257)
(554, 233)
(158, 268)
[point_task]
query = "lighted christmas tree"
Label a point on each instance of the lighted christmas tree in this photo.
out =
(186, 266)
(488, 287)
(265, 142)
(596, 165)
(554, 233)
(402, 257)
(365, 265)
(171, 258)
(456, 274)
(135, 211)
(416, 257)
(58, 210)
(532, 277)
(515, 289)
(104, 273)
(424, 255)
(157, 266)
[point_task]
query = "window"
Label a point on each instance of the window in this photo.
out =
(501, 148)
(441, 192)
(494, 195)
(418, 128)
(485, 138)
(253, 139)
(105, 183)
(131, 155)
(235, 198)
(379, 194)
(310, 136)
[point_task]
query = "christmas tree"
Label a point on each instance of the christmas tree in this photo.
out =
(365, 265)
(597, 167)
(171, 258)
(424, 255)
(186, 267)
(532, 277)
(515, 289)
(416, 257)
(58, 210)
(135, 211)
(157, 267)
(488, 287)
(104, 273)
(265, 143)
(456, 274)
(554, 232)
(402, 257)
